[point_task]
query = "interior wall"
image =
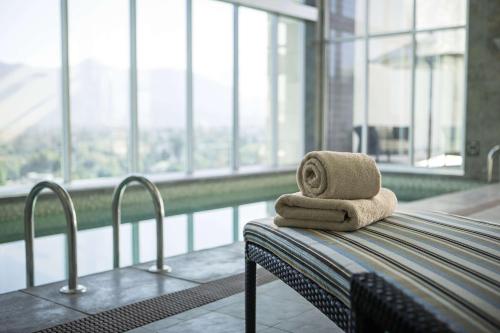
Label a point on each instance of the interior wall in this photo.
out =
(483, 86)
(312, 131)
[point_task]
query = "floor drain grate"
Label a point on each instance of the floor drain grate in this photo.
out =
(138, 314)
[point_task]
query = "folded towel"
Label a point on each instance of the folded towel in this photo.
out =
(334, 175)
(297, 210)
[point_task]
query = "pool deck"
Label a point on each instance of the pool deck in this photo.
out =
(43, 306)
(279, 308)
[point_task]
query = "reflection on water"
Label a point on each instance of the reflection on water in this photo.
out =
(182, 233)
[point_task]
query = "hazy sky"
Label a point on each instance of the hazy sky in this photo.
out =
(29, 32)
(99, 30)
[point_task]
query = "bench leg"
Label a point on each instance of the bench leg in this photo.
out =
(250, 294)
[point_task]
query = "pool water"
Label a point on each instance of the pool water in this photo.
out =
(182, 233)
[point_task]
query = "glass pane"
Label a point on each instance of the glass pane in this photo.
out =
(254, 87)
(389, 98)
(347, 18)
(212, 83)
(439, 98)
(440, 13)
(161, 63)
(30, 86)
(347, 98)
(290, 91)
(390, 15)
(99, 65)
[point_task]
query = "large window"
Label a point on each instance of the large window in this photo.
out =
(30, 102)
(92, 89)
(290, 91)
(212, 83)
(161, 67)
(397, 75)
(255, 65)
(99, 85)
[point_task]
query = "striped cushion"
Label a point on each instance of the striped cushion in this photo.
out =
(449, 264)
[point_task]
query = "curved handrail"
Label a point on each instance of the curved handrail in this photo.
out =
(29, 225)
(159, 213)
(491, 156)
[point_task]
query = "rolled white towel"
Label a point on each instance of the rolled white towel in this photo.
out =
(336, 175)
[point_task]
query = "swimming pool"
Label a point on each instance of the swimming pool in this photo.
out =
(182, 233)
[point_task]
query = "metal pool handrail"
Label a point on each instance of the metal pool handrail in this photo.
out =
(159, 213)
(491, 157)
(29, 223)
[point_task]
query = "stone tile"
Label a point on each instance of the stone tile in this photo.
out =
(272, 330)
(193, 313)
(162, 324)
(210, 322)
(280, 290)
(112, 289)
(270, 310)
(311, 321)
(275, 302)
(174, 320)
(21, 312)
(225, 301)
(207, 265)
(276, 289)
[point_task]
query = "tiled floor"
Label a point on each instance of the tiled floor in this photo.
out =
(21, 312)
(207, 265)
(43, 306)
(279, 309)
(111, 289)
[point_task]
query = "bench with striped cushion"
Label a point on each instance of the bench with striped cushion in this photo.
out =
(449, 265)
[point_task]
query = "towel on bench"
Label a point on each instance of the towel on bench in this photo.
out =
(297, 210)
(337, 175)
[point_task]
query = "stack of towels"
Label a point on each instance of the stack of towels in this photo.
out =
(339, 191)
